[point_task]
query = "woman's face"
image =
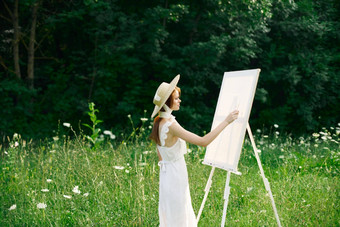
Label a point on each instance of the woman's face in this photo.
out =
(175, 100)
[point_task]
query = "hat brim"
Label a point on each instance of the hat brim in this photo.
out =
(172, 86)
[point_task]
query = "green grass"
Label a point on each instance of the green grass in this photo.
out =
(303, 175)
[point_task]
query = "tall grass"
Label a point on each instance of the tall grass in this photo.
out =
(117, 183)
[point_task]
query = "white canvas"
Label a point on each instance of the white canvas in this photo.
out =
(237, 92)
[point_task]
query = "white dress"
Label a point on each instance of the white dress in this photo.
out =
(175, 208)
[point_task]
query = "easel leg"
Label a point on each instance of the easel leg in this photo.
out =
(265, 180)
(226, 199)
(207, 189)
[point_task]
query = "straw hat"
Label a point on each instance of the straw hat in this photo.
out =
(163, 93)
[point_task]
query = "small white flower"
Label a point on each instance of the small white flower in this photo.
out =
(323, 137)
(67, 124)
(76, 190)
(127, 171)
(249, 189)
(55, 138)
(41, 205)
(49, 180)
(316, 135)
(119, 167)
(15, 136)
(45, 190)
(16, 144)
(86, 194)
(277, 133)
(142, 164)
(129, 115)
(276, 125)
(112, 137)
(52, 151)
(13, 207)
(107, 132)
(265, 136)
(258, 130)
(143, 119)
(67, 196)
(282, 156)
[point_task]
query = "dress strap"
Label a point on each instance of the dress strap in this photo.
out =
(164, 131)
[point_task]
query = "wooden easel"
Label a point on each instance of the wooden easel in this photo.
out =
(227, 188)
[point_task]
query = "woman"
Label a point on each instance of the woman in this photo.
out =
(175, 209)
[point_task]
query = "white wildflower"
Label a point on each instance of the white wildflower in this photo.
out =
(86, 194)
(13, 207)
(277, 133)
(282, 156)
(55, 138)
(41, 205)
(143, 119)
(265, 136)
(52, 151)
(127, 171)
(142, 164)
(112, 137)
(76, 190)
(16, 144)
(316, 135)
(258, 130)
(107, 132)
(323, 137)
(67, 124)
(16, 136)
(49, 180)
(45, 190)
(67, 196)
(129, 115)
(119, 167)
(276, 125)
(249, 189)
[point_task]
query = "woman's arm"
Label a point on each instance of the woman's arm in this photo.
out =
(179, 131)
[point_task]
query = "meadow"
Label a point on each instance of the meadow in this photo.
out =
(66, 181)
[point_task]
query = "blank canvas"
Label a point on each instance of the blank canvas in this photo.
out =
(237, 92)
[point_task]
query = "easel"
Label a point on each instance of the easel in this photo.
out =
(227, 188)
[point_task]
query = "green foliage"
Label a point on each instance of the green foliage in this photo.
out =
(115, 54)
(94, 138)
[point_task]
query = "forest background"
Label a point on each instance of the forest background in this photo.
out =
(57, 56)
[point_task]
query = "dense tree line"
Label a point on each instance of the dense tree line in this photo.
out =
(57, 56)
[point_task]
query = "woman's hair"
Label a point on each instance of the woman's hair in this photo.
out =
(155, 129)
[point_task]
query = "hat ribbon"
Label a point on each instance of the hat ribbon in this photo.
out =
(167, 113)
